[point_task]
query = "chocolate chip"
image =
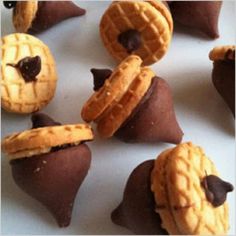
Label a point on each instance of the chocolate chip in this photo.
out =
(216, 189)
(99, 77)
(130, 39)
(42, 120)
(9, 4)
(29, 67)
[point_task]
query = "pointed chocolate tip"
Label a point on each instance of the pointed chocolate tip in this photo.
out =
(116, 216)
(42, 120)
(99, 77)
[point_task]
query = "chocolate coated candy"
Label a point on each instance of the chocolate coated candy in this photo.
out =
(216, 189)
(130, 39)
(29, 67)
(50, 13)
(137, 209)
(9, 4)
(200, 15)
(99, 77)
(223, 78)
(54, 178)
(42, 120)
(154, 119)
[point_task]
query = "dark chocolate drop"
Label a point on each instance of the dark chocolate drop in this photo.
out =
(29, 67)
(42, 120)
(216, 189)
(9, 4)
(130, 39)
(99, 77)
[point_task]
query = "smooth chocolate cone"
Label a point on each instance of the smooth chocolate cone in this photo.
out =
(54, 178)
(223, 77)
(50, 13)
(154, 119)
(200, 15)
(137, 209)
(42, 120)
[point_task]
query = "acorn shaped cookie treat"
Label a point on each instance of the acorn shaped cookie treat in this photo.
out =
(179, 193)
(49, 162)
(223, 74)
(35, 16)
(200, 15)
(143, 28)
(28, 78)
(133, 104)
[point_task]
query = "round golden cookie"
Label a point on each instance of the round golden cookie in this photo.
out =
(179, 195)
(113, 89)
(20, 96)
(222, 53)
(41, 140)
(24, 14)
(113, 119)
(151, 19)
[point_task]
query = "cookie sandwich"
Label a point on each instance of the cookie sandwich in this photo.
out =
(142, 28)
(133, 104)
(29, 77)
(179, 193)
(49, 162)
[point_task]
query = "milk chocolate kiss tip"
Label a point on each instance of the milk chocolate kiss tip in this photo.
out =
(57, 10)
(42, 120)
(99, 77)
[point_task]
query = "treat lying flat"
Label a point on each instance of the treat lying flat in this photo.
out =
(189, 196)
(29, 75)
(35, 16)
(50, 163)
(200, 15)
(223, 73)
(116, 105)
(142, 28)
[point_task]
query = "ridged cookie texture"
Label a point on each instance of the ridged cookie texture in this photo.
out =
(18, 95)
(150, 20)
(176, 182)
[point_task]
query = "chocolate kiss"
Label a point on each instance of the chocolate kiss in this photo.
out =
(223, 78)
(137, 209)
(42, 120)
(54, 178)
(154, 119)
(200, 15)
(50, 13)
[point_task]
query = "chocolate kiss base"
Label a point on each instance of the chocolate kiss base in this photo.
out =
(154, 118)
(201, 15)
(50, 13)
(137, 209)
(223, 77)
(54, 178)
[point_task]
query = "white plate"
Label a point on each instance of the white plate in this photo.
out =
(201, 112)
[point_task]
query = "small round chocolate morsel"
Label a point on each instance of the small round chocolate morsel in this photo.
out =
(216, 189)
(42, 120)
(130, 39)
(99, 77)
(29, 67)
(9, 4)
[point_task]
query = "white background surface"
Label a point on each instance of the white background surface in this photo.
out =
(201, 112)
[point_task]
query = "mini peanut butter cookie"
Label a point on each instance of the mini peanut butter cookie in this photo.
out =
(132, 104)
(223, 73)
(35, 16)
(182, 188)
(49, 162)
(143, 28)
(29, 75)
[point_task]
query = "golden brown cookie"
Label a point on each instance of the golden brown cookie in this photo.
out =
(37, 141)
(143, 28)
(28, 74)
(222, 53)
(181, 200)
